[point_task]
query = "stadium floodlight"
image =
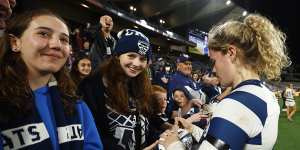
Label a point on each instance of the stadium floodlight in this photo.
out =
(170, 33)
(84, 5)
(228, 2)
(245, 13)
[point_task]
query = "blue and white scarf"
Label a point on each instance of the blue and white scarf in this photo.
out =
(33, 133)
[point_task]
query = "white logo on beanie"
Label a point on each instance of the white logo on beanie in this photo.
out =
(132, 41)
(143, 47)
(136, 33)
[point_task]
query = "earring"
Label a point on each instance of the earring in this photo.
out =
(15, 49)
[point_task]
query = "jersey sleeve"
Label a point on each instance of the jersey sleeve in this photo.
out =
(92, 139)
(233, 123)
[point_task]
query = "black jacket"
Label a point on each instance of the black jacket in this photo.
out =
(92, 90)
(98, 49)
(119, 133)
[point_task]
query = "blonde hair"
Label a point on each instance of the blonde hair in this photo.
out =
(261, 45)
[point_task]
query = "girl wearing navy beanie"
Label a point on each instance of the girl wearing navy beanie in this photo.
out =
(119, 91)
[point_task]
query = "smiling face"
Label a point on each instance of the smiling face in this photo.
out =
(84, 67)
(180, 98)
(195, 77)
(44, 45)
(106, 23)
(133, 63)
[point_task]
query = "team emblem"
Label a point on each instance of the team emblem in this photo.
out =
(143, 47)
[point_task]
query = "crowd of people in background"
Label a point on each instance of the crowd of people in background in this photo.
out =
(89, 90)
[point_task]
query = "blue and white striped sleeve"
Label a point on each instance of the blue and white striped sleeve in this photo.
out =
(237, 118)
(246, 119)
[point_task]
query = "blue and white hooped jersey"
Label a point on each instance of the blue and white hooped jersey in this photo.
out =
(246, 119)
(289, 94)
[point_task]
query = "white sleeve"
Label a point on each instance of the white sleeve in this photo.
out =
(197, 133)
(206, 145)
(179, 146)
(176, 145)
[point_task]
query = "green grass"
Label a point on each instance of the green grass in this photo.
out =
(289, 132)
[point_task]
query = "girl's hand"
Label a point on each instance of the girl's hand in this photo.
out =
(152, 146)
(168, 137)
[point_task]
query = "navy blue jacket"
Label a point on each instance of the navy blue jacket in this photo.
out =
(91, 138)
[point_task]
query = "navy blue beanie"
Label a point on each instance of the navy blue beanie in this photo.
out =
(182, 58)
(133, 41)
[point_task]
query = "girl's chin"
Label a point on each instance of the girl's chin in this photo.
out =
(132, 74)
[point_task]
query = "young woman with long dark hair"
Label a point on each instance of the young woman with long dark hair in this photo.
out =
(38, 105)
(119, 93)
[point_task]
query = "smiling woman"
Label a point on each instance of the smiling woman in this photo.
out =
(37, 97)
(81, 68)
(43, 46)
(119, 93)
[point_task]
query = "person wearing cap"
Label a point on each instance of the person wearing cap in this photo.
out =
(182, 77)
(104, 43)
(119, 93)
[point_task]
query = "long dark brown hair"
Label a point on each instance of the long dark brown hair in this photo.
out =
(16, 96)
(120, 87)
(75, 74)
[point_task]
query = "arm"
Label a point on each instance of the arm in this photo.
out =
(195, 117)
(92, 139)
(229, 128)
(232, 128)
(169, 139)
(196, 131)
(95, 54)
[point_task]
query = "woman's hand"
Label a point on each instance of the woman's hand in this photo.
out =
(168, 137)
(194, 118)
(197, 102)
(183, 123)
(152, 146)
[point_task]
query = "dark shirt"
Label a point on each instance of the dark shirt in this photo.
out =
(116, 130)
(101, 49)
